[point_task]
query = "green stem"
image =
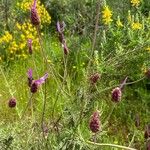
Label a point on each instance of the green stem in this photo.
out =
(109, 88)
(109, 115)
(111, 145)
(29, 102)
(43, 112)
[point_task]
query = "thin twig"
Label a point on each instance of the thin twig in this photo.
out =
(95, 32)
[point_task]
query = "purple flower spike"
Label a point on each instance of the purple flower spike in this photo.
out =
(41, 80)
(35, 20)
(116, 94)
(94, 124)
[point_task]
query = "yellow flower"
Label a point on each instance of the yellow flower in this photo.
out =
(135, 3)
(106, 15)
(136, 26)
(148, 48)
(18, 26)
(119, 23)
(49, 61)
(6, 38)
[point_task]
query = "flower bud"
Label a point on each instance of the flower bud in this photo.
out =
(147, 73)
(116, 94)
(94, 78)
(34, 87)
(147, 132)
(12, 102)
(95, 122)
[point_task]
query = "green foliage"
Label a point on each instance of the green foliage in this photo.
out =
(58, 115)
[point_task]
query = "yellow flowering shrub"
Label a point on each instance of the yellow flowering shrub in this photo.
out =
(25, 6)
(107, 15)
(16, 45)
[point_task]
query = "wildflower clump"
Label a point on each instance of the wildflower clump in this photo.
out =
(44, 16)
(135, 3)
(28, 35)
(107, 15)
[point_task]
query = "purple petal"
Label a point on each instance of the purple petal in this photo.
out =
(34, 4)
(29, 42)
(29, 73)
(41, 80)
(123, 83)
(58, 27)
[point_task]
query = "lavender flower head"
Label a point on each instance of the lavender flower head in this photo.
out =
(94, 78)
(35, 20)
(36, 83)
(117, 92)
(30, 78)
(29, 42)
(147, 132)
(12, 103)
(60, 27)
(95, 122)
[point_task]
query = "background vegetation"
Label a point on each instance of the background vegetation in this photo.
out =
(108, 38)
